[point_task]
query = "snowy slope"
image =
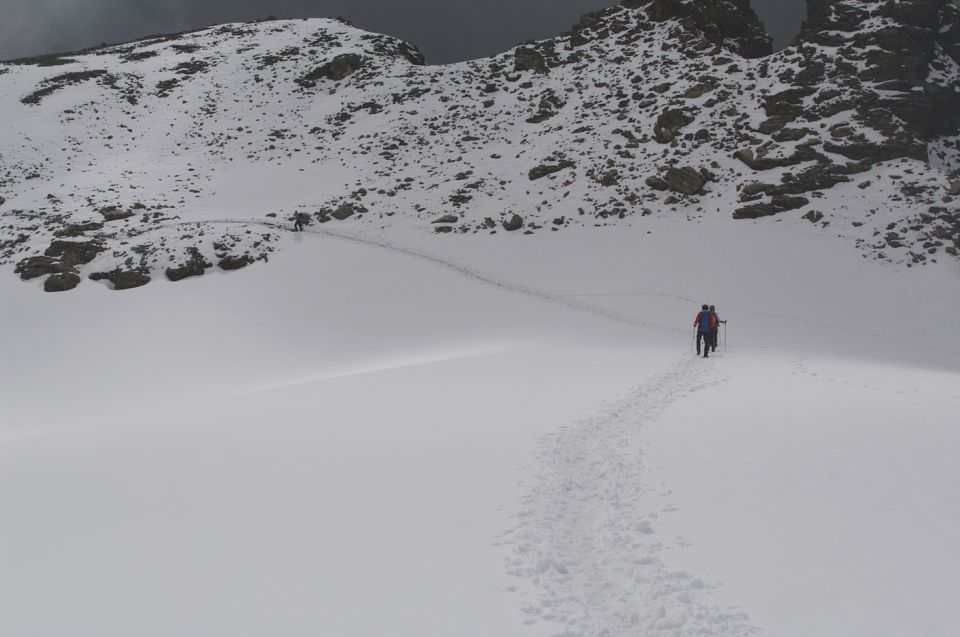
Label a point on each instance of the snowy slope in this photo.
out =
(389, 429)
(183, 151)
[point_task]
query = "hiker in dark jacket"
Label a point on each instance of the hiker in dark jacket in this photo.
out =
(715, 332)
(299, 220)
(704, 323)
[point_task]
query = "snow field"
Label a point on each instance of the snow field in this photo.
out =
(396, 435)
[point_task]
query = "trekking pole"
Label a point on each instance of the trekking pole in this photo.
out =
(724, 337)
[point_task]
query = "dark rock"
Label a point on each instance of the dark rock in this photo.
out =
(447, 219)
(609, 178)
(728, 23)
(234, 262)
(343, 211)
(513, 223)
(686, 180)
(878, 152)
(528, 59)
(78, 230)
(775, 123)
(802, 154)
(2, 201)
(122, 279)
(657, 183)
(33, 267)
(74, 252)
(548, 169)
(778, 203)
(337, 69)
(788, 103)
(954, 189)
(113, 213)
(791, 134)
(184, 271)
(196, 265)
(813, 216)
(61, 282)
(669, 122)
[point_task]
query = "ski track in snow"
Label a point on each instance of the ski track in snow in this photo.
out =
(586, 535)
(551, 297)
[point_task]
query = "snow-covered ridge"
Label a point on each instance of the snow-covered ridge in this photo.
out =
(172, 154)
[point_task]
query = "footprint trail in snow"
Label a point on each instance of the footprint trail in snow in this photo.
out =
(586, 538)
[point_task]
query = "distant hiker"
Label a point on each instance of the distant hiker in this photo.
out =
(299, 220)
(705, 322)
(715, 332)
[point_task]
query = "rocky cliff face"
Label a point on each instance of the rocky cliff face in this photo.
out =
(897, 54)
(172, 154)
(730, 23)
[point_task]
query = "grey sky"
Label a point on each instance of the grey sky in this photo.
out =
(445, 30)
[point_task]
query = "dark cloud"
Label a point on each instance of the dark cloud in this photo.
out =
(445, 30)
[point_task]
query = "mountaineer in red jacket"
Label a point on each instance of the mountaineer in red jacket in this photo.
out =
(705, 322)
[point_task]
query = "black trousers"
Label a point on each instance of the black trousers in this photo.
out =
(707, 339)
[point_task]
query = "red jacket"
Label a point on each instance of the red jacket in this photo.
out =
(713, 319)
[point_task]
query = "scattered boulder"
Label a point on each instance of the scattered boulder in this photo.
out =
(548, 169)
(686, 180)
(61, 282)
(669, 122)
(184, 271)
(657, 183)
(343, 211)
(234, 262)
(875, 153)
(74, 252)
(528, 59)
(337, 69)
(122, 279)
(113, 213)
(802, 154)
(778, 203)
(2, 201)
(515, 222)
(78, 230)
(954, 189)
(773, 124)
(447, 219)
(813, 216)
(33, 267)
(195, 266)
(788, 134)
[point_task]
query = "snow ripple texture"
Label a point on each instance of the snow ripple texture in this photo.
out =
(586, 539)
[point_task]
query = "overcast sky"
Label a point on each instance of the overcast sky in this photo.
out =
(445, 30)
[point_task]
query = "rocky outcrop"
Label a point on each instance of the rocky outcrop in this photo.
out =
(899, 56)
(515, 222)
(686, 180)
(339, 68)
(529, 59)
(777, 204)
(234, 262)
(74, 252)
(33, 267)
(729, 23)
(122, 279)
(669, 122)
(61, 282)
(114, 213)
(196, 265)
(543, 170)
